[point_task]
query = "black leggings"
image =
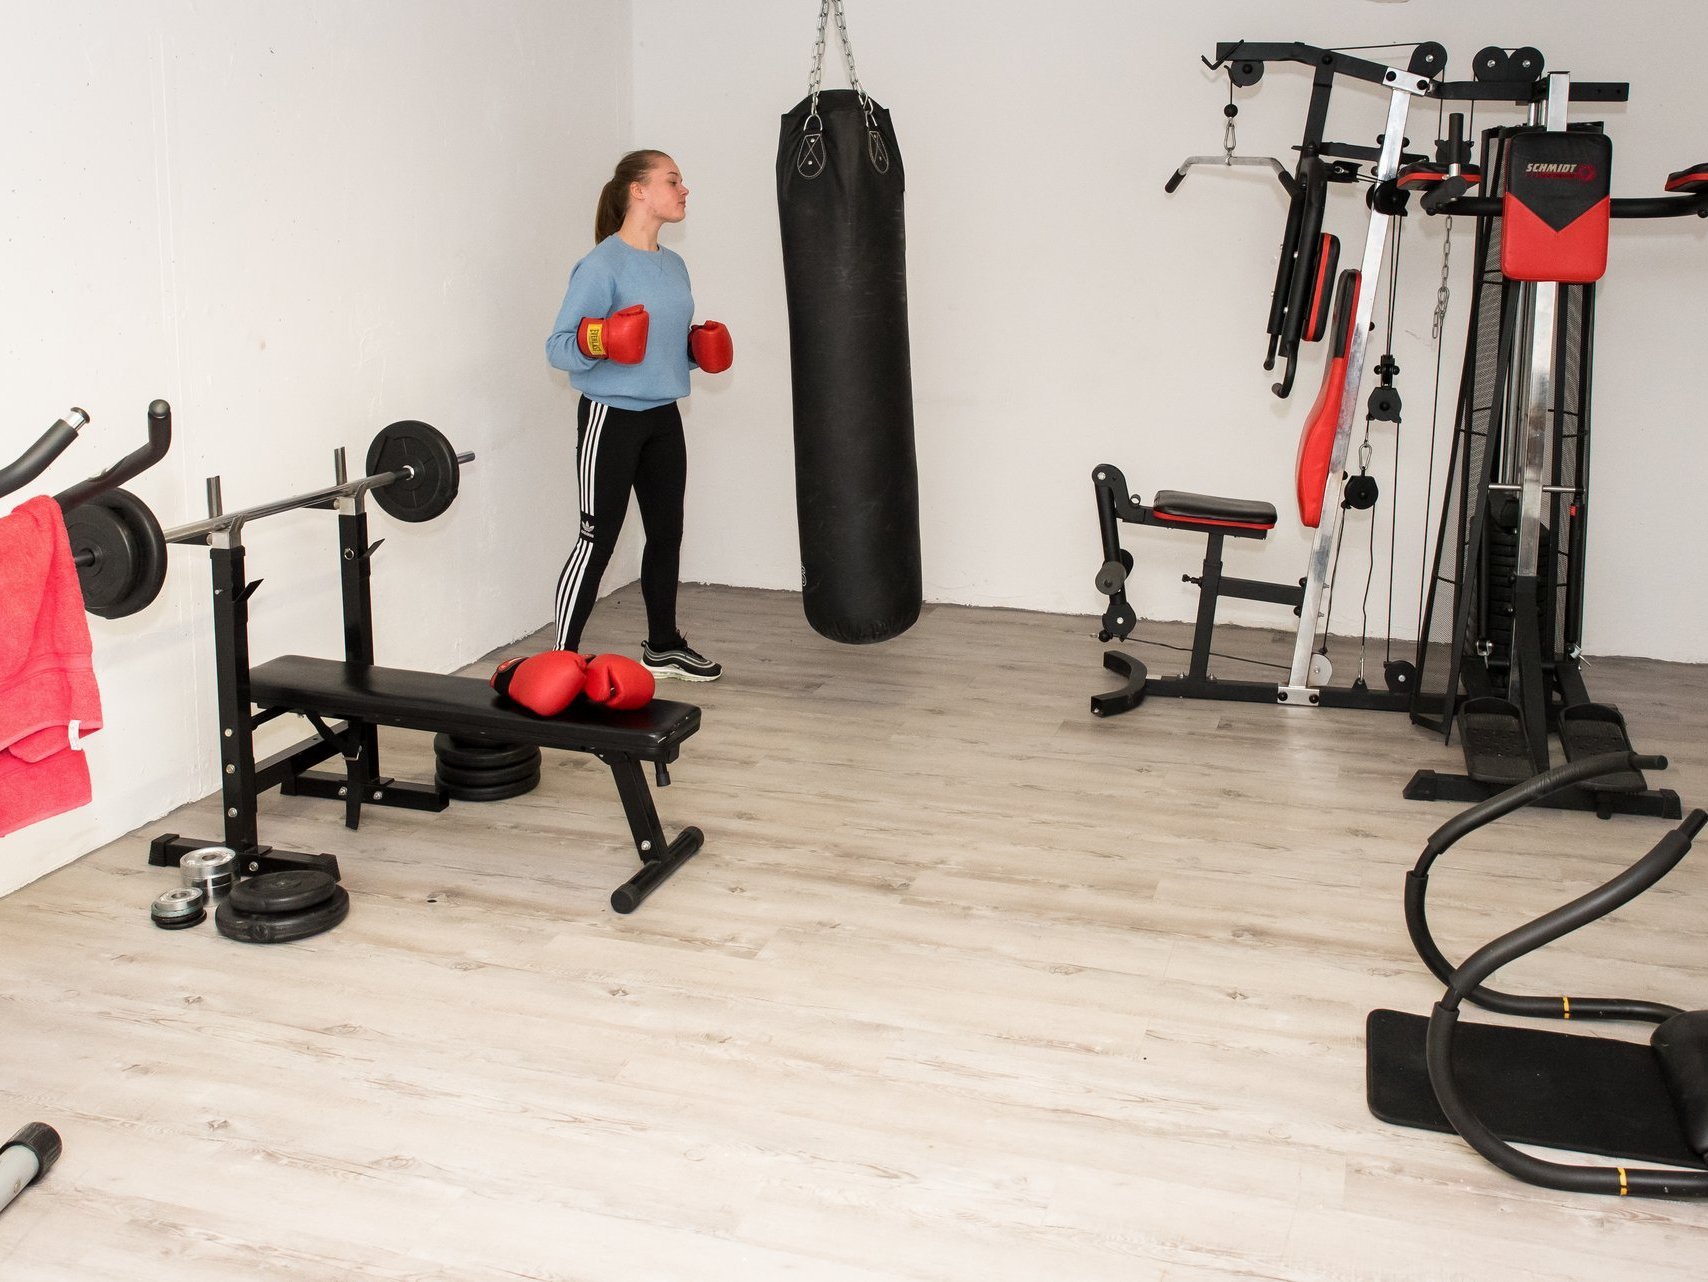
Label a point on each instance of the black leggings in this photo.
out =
(616, 451)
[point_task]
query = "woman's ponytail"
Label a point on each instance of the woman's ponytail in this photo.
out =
(613, 204)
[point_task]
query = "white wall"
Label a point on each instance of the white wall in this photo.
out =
(1065, 312)
(297, 223)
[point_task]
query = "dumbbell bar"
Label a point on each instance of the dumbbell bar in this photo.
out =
(120, 550)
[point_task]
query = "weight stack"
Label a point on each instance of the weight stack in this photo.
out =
(481, 770)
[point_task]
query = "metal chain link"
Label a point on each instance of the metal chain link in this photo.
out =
(824, 9)
(1443, 294)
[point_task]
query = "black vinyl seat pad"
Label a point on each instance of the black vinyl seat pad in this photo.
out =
(1210, 509)
(467, 705)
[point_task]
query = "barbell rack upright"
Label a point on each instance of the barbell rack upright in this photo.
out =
(242, 778)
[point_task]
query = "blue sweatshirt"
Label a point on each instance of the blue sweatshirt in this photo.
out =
(614, 276)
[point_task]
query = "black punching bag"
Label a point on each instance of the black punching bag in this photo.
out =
(839, 199)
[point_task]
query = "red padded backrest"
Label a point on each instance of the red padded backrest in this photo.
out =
(1555, 207)
(1316, 441)
(1322, 287)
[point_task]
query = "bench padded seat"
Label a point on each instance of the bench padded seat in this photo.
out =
(1209, 509)
(464, 705)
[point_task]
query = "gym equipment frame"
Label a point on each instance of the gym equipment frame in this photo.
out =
(1504, 610)
(347, 701)
(1216, 517)
(1499, 1084)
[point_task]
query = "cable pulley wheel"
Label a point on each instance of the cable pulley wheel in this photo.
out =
(430, 485)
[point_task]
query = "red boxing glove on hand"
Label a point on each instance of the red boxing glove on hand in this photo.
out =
(711, 347)
(620, 337)
(617, 681)
(544, 684)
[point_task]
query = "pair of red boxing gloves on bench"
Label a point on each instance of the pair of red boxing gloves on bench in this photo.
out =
(621, 337)
(547, 683)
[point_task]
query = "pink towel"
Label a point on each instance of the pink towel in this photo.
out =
(47, 679)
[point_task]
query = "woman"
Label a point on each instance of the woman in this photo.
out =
(624, 335)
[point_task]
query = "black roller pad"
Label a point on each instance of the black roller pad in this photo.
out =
(290, 890)
(282, 928)
(1573, 1091)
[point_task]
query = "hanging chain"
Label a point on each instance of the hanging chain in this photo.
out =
(818, 56)
(824, 9)
(1443, 294)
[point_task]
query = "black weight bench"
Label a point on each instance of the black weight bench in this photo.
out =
(363, 695)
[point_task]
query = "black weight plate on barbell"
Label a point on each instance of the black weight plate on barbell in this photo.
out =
(281, 928)
(290, 890)
(465, 755)
(500, 792)
(422, 447)
(450, 776)
(128, 551)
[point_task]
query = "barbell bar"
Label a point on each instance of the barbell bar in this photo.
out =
(120, 550)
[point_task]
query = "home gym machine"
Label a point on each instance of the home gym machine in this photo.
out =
(413, 476)
(1300, 309)
(1497, 1084)
(1499, 651)
(1489, 555)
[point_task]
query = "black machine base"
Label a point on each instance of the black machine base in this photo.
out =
(1139, 683)
(166, 850)
(1581, 1093)
(1657, 803)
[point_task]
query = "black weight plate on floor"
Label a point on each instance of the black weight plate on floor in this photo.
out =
(457, 759)
(129, 553)
(499, 792)
(476, 743)
(182, 923)
(455, 778)
(282, 928)
(423, 448)
(497, 756)
(289, 890)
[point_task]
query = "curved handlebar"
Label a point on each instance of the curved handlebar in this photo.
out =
(1443, 1022)
(1613, 893)
(1417, 893)
(1533, 789)
(1622, 206)
(49, 446)
(136, 462)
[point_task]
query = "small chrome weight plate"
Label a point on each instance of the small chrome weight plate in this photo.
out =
(212, 868)
(179, 907)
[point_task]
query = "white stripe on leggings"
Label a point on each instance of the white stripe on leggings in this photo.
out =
(575, 569)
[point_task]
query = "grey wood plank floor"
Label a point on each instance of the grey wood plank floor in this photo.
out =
(965, 984)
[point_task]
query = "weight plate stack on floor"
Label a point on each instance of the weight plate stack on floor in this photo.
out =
(278, 907)
(180, 908)
(480, 770)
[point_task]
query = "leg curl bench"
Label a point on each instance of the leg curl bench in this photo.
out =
(362, 694)
(1322, 446)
